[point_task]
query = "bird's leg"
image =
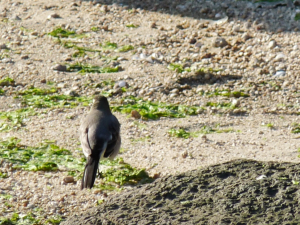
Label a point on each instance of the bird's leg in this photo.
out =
(99, 173)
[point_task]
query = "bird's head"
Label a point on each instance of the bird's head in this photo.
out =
(100, 102)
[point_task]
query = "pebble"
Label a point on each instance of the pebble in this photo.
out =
(246, 36)
(261, 177)
(184, 154)
(280, 57)
(61, 85)
(173, 95)
(135, 114)
(30, 206)
(70, 93)
(236, 28)
(123, 83)
(24, 57)
(7, 60)
(235, 102)
(16, 18)
(3, 46)
(279, 73)
(54, 15)
(198, 44)
(219, 42)
(68, 179)
(272, 44)
(59, 67)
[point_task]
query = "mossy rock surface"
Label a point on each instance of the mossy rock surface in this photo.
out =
(228, 193)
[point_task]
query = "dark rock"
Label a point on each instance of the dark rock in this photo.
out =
(218, 194)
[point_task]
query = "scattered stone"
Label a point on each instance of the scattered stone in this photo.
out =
(59, 67)
(135, 114)
(179, 26)
(218, 15)
(68, 59)
(97, 191)
(280, 57)
(54, 16)
(7, 60)
(61, 85)
(219, 42)
(24, 57)
(3, 46)
(16, 18)
(261, 177)
(123, 83)
(236, 28)
(173, 95)
(71, 93)
(235, 102)
(156, 175)
(272, 44)
(279, 73)
(246, 36)
(69, 179)
(192, 41)
(30, 206)
(153, 25)
(34, 33)
(184, 154)
(198, 45)
(104, 8)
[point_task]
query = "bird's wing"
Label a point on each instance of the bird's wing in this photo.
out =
(86, 148)
(114, 144)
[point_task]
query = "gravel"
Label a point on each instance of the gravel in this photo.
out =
(212, 46)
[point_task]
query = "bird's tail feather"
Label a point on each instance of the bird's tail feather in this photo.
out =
(90, 172)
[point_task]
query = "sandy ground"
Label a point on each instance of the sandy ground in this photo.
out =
(31, 55)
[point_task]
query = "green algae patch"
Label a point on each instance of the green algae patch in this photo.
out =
(82, 68)
(155, 110)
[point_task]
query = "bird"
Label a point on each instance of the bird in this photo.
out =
(99, 137)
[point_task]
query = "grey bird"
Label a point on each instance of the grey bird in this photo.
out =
(99, 137)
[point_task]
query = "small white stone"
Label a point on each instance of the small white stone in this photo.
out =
(295, 47)
(143, 56)
(175, 91)
(218, 15)
(235, 102)
(272, 44)
(61, 85)
(279, 57)
(279, 73)
(261, 177)
(70, 93)
(122, 83)
(236, 28)
(173, 95)
(205, 61)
